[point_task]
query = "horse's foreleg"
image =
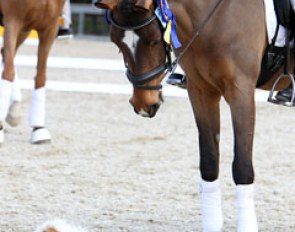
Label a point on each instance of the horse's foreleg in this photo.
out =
(11, 33)
(37, 110)
(207, 115)
(242, 104)
(46, 39)
(16, 92)
(10, 39)
(14, 116)
(5, 93)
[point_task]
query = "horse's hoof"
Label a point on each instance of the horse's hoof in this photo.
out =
(14, 114)
(40, 135)
(1, 135)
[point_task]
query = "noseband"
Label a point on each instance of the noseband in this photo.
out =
(139, 81)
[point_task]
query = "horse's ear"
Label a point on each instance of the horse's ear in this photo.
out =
(146, 5)
(106, 4)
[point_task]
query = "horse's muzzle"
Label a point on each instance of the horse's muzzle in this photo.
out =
(148, 111)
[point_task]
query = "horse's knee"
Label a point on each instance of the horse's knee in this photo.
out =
(243, 172)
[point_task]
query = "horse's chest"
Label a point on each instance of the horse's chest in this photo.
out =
(42, 14)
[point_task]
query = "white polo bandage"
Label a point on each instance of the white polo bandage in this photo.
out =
(212, 219)
(37, 110)
(5, 94)
(247, 221)
(16, 91)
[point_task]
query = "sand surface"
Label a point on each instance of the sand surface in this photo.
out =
(110, 170)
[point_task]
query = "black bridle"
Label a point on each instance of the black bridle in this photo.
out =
(139, 81)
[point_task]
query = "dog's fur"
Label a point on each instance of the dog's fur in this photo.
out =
(59, 225)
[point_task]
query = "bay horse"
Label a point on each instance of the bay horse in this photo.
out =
(223, 42)
(19, 18)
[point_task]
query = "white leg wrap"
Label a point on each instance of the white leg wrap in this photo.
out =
(247, 221)
(212, 219)
(16, 92)
(37, 111)
(5, 94)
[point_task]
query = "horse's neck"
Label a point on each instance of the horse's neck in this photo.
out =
(229, 15)
(190, 13)
(231, 19)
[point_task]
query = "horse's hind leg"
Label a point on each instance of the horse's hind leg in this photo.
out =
(207, 114)
(37, 112)
(242, 104)
(12, 29)
(14, 113)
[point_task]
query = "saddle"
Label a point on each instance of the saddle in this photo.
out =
(275, 57)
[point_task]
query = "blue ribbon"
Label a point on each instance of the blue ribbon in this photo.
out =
(167, 16)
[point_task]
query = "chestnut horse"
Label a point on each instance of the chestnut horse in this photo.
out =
(19, 18)
(223, 42)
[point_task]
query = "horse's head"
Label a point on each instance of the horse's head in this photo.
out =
(138, 34)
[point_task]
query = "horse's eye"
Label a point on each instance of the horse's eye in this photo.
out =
(154, 42)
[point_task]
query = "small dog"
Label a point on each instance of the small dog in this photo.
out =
(59, 225)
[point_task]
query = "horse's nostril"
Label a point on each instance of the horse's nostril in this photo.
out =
(153, 109)
(135, 110)
(155, 106)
